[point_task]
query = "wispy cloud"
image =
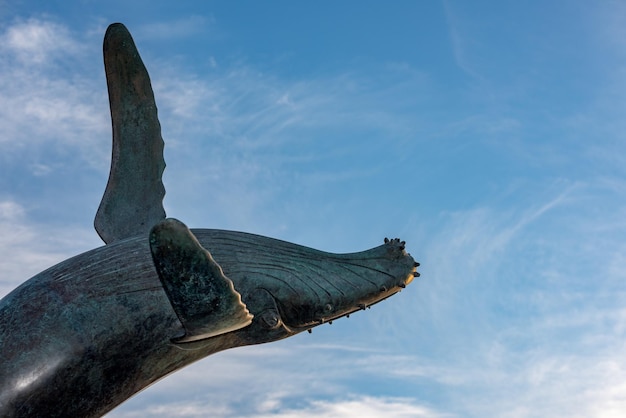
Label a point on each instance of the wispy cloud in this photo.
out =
(369, 407)
(238, 116)
(28, 247)
(271, 140)
(515, 304)
(275, 381)
(347, 407)
(460, 40)
(52, 96)
(37, 42)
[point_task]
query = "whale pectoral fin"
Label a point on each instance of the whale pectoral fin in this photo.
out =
(133, 199)
(204, 299)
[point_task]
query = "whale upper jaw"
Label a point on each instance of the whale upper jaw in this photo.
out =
(352, 282)
(312, 287)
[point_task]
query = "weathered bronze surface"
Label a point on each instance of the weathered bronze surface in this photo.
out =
(83, 336)
(132, 201)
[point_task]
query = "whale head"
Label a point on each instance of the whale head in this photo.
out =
(289, 288)
(342, 285)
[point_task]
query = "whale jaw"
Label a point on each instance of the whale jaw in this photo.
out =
(350, 283)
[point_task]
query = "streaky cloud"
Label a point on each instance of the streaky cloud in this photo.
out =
(29, 246)
(347, 406)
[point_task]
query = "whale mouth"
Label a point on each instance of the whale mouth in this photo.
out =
(305, 318)
(367, 278)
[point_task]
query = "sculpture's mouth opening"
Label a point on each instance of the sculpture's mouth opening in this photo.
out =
(298, 289)
(301, 317)
(342, 296)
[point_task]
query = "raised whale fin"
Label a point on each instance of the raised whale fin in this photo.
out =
(133, 199)
(205, 300)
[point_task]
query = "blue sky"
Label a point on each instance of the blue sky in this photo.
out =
(488, 135)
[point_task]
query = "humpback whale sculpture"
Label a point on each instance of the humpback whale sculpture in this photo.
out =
(83, 336)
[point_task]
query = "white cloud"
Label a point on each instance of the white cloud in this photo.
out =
(10, 211)
(35, 41)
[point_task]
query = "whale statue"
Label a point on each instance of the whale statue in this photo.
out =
(81, 337)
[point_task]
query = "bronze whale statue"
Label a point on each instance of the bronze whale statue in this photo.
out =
(83, 336)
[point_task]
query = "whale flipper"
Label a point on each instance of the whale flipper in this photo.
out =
(133, 199)
(204, 299)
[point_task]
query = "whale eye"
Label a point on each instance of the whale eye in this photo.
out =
(270, 319)
(328, 308)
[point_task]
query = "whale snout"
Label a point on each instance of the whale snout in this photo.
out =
(341, 284)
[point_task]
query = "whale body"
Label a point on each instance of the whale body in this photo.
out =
(84, 335)
(88, 333)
